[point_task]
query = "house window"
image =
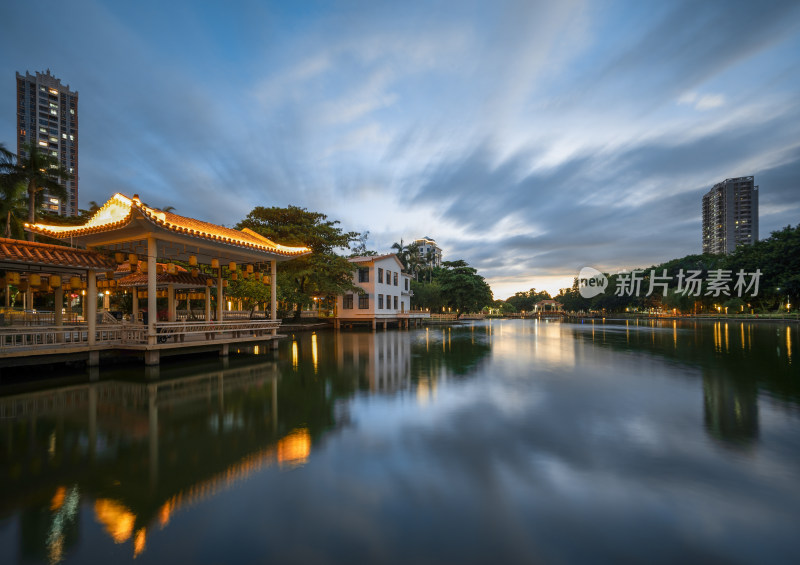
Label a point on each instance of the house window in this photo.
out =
(363, 274)
(388, 276)
(395, 279)
(363, 301)
(395, 303)
(380, 302)
(380, 275)
(347, 303)
(406, 284)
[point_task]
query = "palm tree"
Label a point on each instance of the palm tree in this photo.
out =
(40, 171)
(12, 200)
(402, 252)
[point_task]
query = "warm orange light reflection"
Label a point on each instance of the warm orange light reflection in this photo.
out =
(58, 498)
(293, 450)
(314, 358)
(140, 541)
(294, 354)
(117, 519)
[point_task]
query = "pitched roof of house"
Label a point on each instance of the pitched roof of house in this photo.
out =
(119, 211)
(368, 258)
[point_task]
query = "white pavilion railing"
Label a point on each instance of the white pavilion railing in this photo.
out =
(69, 336)
(33, 337)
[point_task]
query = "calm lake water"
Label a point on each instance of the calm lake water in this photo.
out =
(505, 442)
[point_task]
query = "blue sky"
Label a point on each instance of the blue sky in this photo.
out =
(528, 138)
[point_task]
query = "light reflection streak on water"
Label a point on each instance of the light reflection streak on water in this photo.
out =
(65, 505)
(789, 343)
(295, 360)
(314, 358)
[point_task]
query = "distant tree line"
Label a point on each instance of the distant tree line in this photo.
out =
(777, 258)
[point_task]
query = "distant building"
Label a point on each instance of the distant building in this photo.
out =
(730, 215)
(386, 296)
(47, 117)
(429, 252)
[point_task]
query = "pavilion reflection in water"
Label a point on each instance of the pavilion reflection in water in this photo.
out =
(140, 450)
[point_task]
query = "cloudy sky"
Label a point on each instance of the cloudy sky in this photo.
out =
(528, 138)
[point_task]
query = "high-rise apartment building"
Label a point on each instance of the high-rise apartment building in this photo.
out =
(429, 252)
(47, 117)
(730, 215)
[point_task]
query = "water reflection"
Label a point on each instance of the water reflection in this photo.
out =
(509, 426)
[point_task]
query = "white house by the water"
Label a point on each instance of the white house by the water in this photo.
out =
(386, 293)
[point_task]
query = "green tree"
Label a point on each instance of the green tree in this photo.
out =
(463, 289)
(323, 272)
(40, 171)
(12, 196)
(360, 249)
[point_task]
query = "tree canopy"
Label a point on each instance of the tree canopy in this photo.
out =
(323, 272)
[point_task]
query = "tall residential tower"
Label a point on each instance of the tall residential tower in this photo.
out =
(730, 215)
(47, 117)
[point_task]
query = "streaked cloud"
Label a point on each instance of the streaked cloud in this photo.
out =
(529, 138)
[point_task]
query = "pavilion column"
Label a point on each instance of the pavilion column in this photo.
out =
(29, 298)
(58, 305)
(91, 305)
(273, 290)
(273, 298)
(208, 303)
(220, 295)
(135, 309)
(8, 296)
(171, 302)
(152, 308)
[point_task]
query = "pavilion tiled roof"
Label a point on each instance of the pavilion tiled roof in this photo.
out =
(43, 254)
(118, 212)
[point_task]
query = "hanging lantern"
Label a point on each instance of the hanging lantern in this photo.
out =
(13, 278)
(159, 269)
(209, 282)
(75, 283)
(133, 259)
(112, 284)
(84, 285)
(101, 284)
(172, 268)
(119, 257)
(192, 260)
(215, 263)
(235, 276)
(35, 280)
(134, 267)
(232, 266)
(195, 272)
(224, 283)
(249, 268)
(265, 280)
(144, 267)
(55, 280)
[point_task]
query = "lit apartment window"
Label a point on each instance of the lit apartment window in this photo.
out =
(380, 275)
(363, 302)
(347, 302)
